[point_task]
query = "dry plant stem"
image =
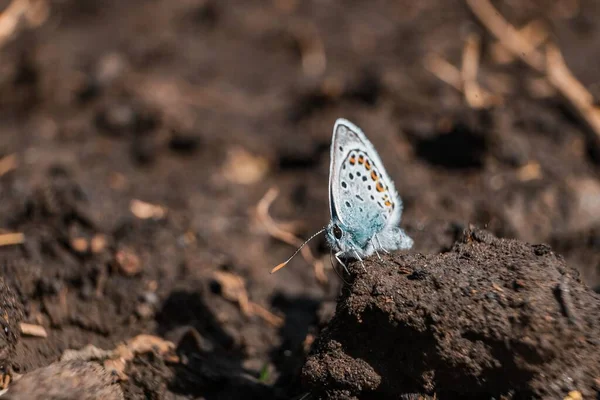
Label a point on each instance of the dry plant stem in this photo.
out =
(33, 330)
(448, 73)
(33, 12)
(506, 34)
(445, 71)
(115, 361)
(9, 239)
(262, 211)
(233, 288)
(553, 67)
(534, 32)
(572, 90)
(8, 163)
(470, 68)
(267, 315)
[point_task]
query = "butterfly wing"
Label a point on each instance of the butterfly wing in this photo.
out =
(361, 194)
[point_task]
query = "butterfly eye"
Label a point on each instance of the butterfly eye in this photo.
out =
(337, 232)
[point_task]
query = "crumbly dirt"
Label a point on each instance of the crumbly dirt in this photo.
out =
(11, 315)
(70, 380)
(199, 107)
(491, 318)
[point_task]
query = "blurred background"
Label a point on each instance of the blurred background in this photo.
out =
(159, 157)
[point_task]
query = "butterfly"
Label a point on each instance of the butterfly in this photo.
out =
(364, 206)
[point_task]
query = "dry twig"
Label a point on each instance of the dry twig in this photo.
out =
(464, 80)
(233, 288)
(275, 230)
(571, 89)
(33, 330)
(9, 239)
(144, 210)
(116, 360)
(8, 163)
(506, 34)
(445, 71)
(470, 68)
(551, 64)
(534, 32)
(32, 12)
(267, 315)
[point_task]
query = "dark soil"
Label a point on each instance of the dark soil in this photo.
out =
(201, 106)
(490, 318)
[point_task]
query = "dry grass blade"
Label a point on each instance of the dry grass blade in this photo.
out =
(233, 288)
(534, 32)
(275, 230)
(445, 71)
(33, 330)
(8, 163)
(144, 210)
(571, 89)
(32, 12)
(470, 68)
(506, 34)
(116, 360)
(465, 80)
(9, 239)
(551, 64)
(266, 315)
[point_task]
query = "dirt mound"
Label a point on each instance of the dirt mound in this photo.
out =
(491, 317)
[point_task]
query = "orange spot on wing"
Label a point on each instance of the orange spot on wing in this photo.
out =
(388, 203)
(352, 160)
(361, 159)
(367, 165)
(379, 187)
(374, 176)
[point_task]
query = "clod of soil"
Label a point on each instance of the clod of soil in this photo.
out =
(11, 315)
(491, 317)
(66, 380)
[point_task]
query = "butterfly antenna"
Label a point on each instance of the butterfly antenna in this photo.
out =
(283, 264)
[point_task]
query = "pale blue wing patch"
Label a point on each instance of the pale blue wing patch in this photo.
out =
(365, 202)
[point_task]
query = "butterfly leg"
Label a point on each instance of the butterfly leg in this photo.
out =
(378, 256)
(335, 269)
(380, 246)
(337, 257)
(360, 259)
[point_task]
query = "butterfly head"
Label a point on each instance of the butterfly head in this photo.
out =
(339, 238)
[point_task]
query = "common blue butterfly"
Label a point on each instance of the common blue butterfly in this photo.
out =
(364, 206)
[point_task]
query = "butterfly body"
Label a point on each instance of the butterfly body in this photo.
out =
(364, 205)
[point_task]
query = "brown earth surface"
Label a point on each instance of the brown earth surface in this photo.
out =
(199, 107)
(491, 318)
